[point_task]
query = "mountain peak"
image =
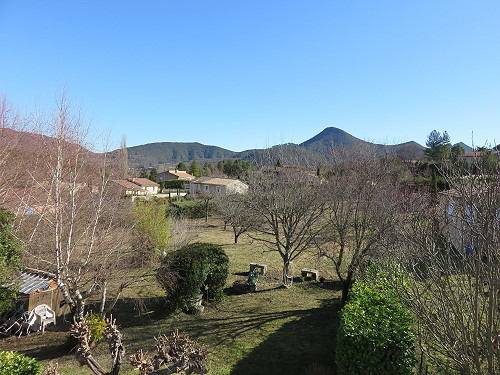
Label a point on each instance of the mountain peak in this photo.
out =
(331, 136)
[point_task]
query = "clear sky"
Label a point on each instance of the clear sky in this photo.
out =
(250, 74)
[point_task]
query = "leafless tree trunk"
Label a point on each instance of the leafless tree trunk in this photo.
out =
(363, 206)
(123, 159)
(79, 230)
(177, 354)
(113, 336)
(234, 211)
(288, 214)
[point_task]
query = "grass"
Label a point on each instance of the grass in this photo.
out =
(271, 331)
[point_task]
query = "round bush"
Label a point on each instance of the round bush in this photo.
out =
(199, 268)
(12, 363)
(375, 334)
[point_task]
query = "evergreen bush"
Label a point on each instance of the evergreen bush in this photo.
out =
(97, 326)
(12, 363)
(375, 334)
(200, 268)
(190, 209)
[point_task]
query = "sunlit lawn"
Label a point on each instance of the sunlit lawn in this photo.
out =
(272, 331)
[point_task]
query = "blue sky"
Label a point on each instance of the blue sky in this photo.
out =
(250, 74)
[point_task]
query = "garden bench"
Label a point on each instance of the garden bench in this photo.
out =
(261, 267)
(306, 272)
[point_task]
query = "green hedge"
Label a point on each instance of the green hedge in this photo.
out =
(198, 268)
(375, 335)
(12, 363)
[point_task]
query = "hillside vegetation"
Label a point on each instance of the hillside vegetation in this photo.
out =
(311, 152)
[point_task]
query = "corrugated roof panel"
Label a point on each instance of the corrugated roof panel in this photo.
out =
(29, 282)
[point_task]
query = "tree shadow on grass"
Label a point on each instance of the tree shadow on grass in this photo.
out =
(50, 352)
(230, 291)
(132, 312)
(297, 345)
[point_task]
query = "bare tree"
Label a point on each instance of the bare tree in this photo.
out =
(80, 228)
(123, 158)
(363, 205)
(182, 232)
(234, 211)
(288, 210)
(449, 275)
(11, 122)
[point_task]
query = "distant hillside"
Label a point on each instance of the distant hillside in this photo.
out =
(408, 150)
(29, 143)
(312, 151)
(334, 137)
(467, 148)
(23, 141)
(331, 137)
(153, 154)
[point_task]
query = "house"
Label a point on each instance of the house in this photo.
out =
(216, 185)
(474, 156)
(137, 186)
(175, 175)
(468, 212)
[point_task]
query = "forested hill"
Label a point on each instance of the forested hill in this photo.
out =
(152, 154)
(312, 151)
(334, 137)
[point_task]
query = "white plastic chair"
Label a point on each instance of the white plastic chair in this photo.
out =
(43, 315)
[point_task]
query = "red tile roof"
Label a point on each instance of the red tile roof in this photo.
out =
(128, 184)
(143, 182)
(182, 174)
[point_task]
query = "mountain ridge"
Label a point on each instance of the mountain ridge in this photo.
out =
(313, 150)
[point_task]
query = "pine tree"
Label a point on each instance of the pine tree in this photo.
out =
(194, 169)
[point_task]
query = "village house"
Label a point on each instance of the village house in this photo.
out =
(474, 156)
(137, 186)
(174, 175)
(217, 185)
(460, 217)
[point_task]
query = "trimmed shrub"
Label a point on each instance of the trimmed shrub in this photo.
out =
(200, 268)
(375, 334)
(12, 363)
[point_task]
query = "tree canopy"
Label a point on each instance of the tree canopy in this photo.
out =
(438, 146)
(181, 167)
(194, 169)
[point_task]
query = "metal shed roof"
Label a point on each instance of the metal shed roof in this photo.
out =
(29, 282)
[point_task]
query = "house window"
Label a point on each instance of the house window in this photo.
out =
(217, 188)
(206, 188)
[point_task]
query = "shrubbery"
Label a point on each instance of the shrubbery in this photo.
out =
(9, 261)
(190, 209)
(199, 268)
(152, 230)
(375, 334)
(97, 326)
(12, 363)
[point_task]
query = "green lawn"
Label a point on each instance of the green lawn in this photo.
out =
(272, 331)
